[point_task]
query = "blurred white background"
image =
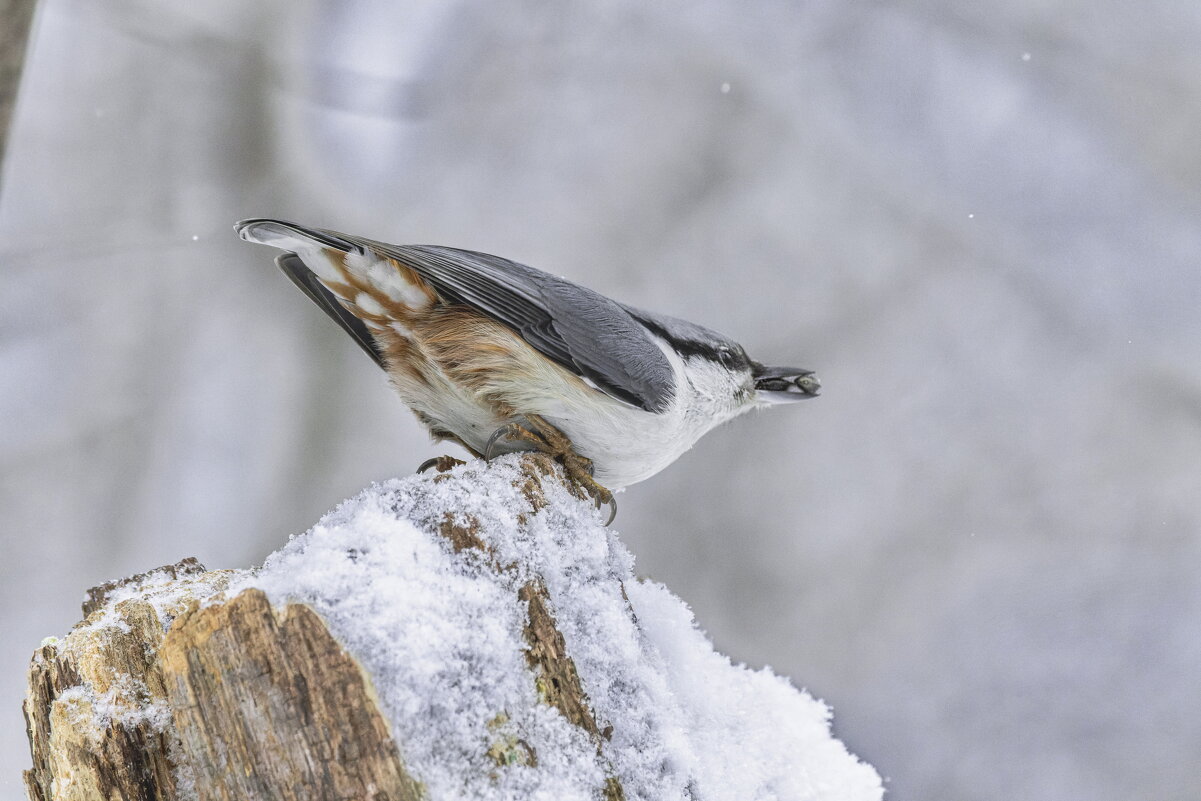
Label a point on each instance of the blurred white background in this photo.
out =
(980, 223)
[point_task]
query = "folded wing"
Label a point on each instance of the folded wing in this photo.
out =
(579, 329)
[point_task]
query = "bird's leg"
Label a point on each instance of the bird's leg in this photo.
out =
(579, 468)
(549, 440)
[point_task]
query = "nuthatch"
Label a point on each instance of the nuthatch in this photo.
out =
(490, 354)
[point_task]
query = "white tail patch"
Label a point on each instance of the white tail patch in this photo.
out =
(318, 260)
(383, 276)
(312, 253)
(368, 270)
(369, 305)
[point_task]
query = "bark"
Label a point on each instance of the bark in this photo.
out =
(96, 710)
(169, 690)
(267, 705)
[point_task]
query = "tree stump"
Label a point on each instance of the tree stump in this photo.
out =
(183, 683)
(169, 690)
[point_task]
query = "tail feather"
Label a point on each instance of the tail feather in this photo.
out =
(304, 278)
(314, 258)
(372, 296)
(291, 236)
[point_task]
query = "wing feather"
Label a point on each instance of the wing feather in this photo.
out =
(572, 325)
(594, 337)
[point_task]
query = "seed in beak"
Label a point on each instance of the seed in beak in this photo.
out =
(809, 384)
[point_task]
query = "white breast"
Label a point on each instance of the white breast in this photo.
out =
(628, 444)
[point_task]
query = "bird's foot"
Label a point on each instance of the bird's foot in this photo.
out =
(553, 442)
(440, 463)
(515, 431)
(579, 472)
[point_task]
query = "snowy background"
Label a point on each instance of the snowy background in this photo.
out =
(981, 225)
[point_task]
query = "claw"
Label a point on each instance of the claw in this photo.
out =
(496, 435)
(600, 496)
(549, 440)
(612, 509)
(441, 463)
(518, 432)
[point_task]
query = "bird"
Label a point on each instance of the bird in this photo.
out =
(500, 357)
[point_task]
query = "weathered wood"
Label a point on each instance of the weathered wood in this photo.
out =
(269, 706)
(96, 712)
(558, 682)
(556, 679)
(237, 701)
(170, 690)
(100, 595)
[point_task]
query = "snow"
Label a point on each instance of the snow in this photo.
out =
(124, 706)
(167, 593)
(440, 633)
(94, 712)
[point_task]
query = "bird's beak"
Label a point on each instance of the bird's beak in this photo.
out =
(784, 384)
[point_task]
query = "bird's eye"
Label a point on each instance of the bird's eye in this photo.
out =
(727, 357)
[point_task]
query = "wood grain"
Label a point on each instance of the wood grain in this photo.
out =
(169, 690)
(269, 706)
(95, 710)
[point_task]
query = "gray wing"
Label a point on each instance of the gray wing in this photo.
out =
(581, 330)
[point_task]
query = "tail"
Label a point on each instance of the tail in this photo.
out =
(344, 279)
(291, 236)
(306, 280)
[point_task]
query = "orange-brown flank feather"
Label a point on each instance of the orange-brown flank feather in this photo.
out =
(433, 341)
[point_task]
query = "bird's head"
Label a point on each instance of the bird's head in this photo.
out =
(719, 368)
(727, 375)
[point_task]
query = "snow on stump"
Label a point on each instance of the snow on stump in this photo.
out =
(476, 634)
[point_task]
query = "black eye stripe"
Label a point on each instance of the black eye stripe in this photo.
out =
(732, 356)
